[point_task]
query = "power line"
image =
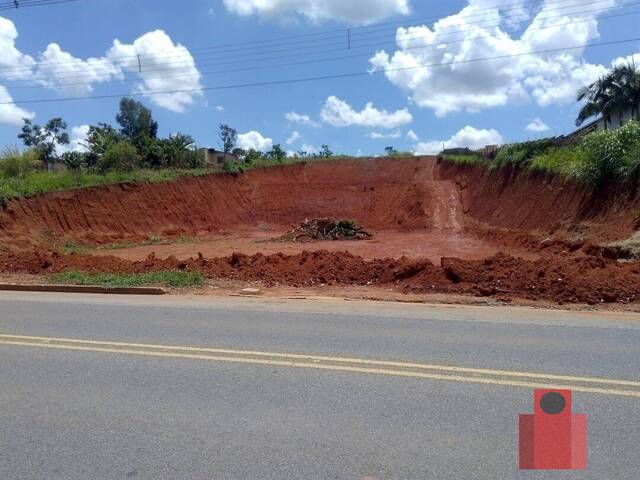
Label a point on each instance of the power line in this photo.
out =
(172, 66)
(319, 60)
(323, 77)
(19, 4)
(339, 39)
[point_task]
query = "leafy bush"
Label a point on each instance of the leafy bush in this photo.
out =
(17, 164)
(521, 153)
(607, 151)
(122, 156)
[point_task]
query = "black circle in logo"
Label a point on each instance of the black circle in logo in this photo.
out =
(552, 403)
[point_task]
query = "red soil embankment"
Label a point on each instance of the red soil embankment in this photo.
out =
(516, 200)
(380, 194)
(394, 195)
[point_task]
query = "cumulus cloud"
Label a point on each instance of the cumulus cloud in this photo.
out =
(380, 136)
(359, 12)
(164, 66)
(310, 149)
(458, 84)
(413, 136)
(59, 70)
(293, 138)
(153, 59)
(10, 113)
(305, 120)
(468, 137)
(254, 140)
(537, 126)
(13, 63)
(338, 113)
(77, 140)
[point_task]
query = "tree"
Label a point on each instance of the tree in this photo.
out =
(45, 140)
(122, 156)
(135, 120)
(228, 138)
(277, 153)
(390, 151)
(100, 138)
(618, 90)
(74, 161)
(325, 152)
(177, 149)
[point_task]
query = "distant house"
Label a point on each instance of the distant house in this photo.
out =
(216, 159)
(612, 121)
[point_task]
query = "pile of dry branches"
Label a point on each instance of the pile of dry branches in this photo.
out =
(326, 229)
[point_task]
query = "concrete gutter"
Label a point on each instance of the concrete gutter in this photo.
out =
(81, 289)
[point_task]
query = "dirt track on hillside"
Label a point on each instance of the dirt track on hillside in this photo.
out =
(437, 229)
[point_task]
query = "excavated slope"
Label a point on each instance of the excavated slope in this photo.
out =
(383, 194)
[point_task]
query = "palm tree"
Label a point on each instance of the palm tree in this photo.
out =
(616, 91)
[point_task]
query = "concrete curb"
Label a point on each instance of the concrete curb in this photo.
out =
(81, 289)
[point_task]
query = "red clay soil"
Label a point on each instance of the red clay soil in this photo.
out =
(581, 279)
(412, 195)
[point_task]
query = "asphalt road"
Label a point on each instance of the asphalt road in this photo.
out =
(269, 389)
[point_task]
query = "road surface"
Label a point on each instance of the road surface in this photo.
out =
(96, 387)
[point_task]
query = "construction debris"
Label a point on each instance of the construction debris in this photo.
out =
(326, 229)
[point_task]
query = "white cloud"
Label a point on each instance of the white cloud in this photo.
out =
(459, 84)
(165, 65)
(13, 63)
(220, 108)
(413, 136)
(380, 136)
(350, 11)
(468, 137)
(153, 59)
(77, 140)
(338, 113)
(305, 120)
(293, 138)
(537, 125)
(310, 149)
(254, 140)
(10, 113)
(67, 74)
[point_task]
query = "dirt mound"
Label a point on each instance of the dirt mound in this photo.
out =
(559, 279)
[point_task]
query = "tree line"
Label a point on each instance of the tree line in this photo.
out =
(134, 144)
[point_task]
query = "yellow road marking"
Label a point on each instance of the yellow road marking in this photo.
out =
(345, 364)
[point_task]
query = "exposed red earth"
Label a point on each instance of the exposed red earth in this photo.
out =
(438, 228)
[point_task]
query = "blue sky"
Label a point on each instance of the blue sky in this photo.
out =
(192, 44)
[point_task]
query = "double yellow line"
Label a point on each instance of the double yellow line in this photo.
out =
(508, 378)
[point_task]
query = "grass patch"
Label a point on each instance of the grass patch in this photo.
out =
(472, 159)
(39, 182)
(169, 278)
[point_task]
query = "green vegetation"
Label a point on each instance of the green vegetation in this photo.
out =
(38, 181)
(618, 90)
(131, 153)
(472, 159)
(169, 278)
(594, 159)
